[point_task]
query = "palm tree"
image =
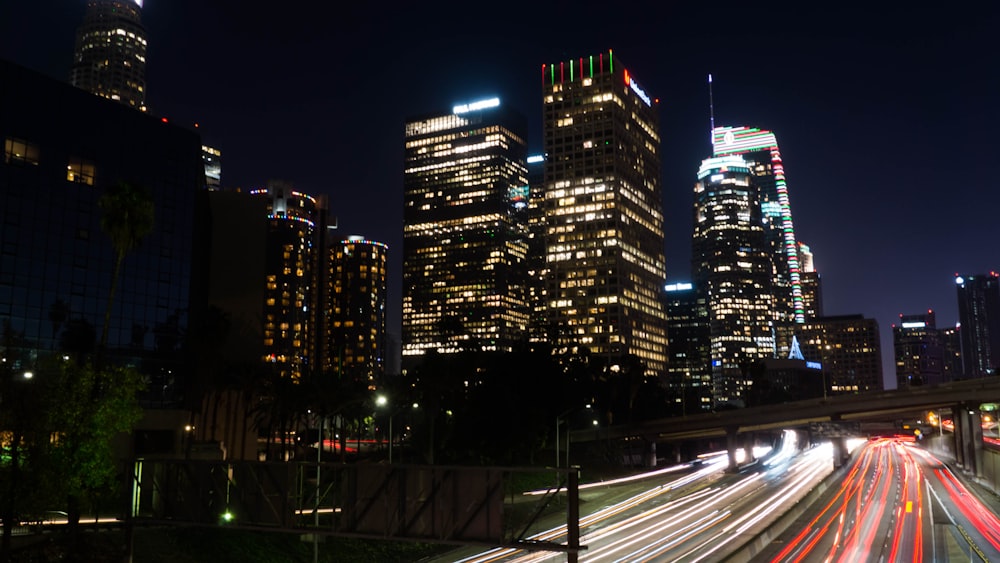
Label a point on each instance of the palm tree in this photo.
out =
(127, 217)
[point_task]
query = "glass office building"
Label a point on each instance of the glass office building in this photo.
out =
(732, 266)
(759, 148)
(603, 212)
(110, 56)
(465, 231)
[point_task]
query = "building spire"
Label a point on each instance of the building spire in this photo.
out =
(711, 114)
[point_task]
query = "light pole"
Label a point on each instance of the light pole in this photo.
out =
(383, 401)
(561, 420)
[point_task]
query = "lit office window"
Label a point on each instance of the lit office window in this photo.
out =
(81, 171)
(20, 151)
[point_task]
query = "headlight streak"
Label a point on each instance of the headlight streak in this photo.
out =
(814, 463)
(608, 550)
(788, 446)
(716, 517)
(687, 520)
(552, 534)
(761, 511)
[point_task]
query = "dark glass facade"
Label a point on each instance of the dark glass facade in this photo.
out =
(62, 148)
(689, 374)
(918, 349)
(979, 323)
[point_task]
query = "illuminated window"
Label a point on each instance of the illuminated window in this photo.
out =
(20, 151)
(80, 170)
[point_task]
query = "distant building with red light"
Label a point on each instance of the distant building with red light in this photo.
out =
(979, 323)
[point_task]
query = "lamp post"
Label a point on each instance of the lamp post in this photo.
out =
(561, 419)
(383, 401)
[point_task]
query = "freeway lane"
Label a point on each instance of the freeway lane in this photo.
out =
(897, 503)
(701, 517)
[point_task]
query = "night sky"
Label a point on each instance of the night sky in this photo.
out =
(885, 118)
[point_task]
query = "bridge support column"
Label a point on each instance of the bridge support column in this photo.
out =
(840, 453)
(749, 439)
(970, 439)
(651, 455)
(732, 435)
(957, 425)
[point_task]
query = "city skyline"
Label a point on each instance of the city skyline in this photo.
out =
(877, 118)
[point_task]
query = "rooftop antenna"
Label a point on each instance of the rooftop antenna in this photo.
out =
(711, 114)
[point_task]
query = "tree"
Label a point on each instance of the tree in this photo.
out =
(127, 215)
(87, 409)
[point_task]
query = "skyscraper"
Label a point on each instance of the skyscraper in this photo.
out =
(110, 56)
(465, 231)
(979, 323)
(760, 150)
(918, 349)
(603, 211)
(290, 283)
(355, 311)
(811, 284)
(537, 266)
(731, 265)
(689, 374)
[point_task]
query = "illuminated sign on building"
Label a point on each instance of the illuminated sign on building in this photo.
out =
(518, 196)
(476, 106)
(814, 365)
(635, 88)
(678, 287)
(920, 324)
(535, 158)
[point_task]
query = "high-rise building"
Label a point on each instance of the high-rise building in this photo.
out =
(918, 350)
(849, 349)
(538, 329)
(951, 347)
(603, 210)
(355, 311)
(731, 265)
(465, 231)
(110, 56)
(811, 284)
(290, 278)
(760, 149)
(689, 375)
(979, 323)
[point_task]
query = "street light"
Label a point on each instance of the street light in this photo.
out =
(382, 401)
(559, 420)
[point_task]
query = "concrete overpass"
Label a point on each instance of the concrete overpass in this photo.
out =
(963, 397)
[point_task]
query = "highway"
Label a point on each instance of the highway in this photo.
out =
(897, 502)
(701, 516)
